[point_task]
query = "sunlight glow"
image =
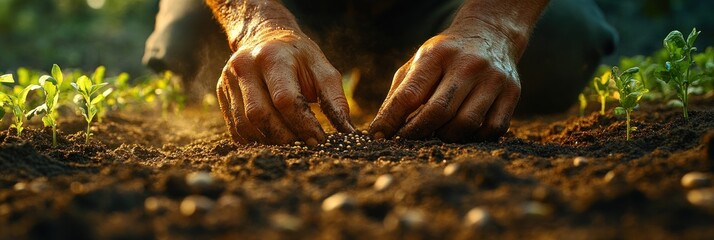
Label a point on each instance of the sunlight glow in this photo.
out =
(96, 4)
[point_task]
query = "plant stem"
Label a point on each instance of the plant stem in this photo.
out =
(602, 105)
(86, 140)
(685, 100)
(627, 113)
(54, 135)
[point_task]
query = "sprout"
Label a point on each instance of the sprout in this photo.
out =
(51, 87)
(602, 87)
(677, 69)
(16, 100)
(88, 100)
(583, 104)
(631, 91)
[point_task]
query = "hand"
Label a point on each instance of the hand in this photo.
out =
(460, 85)
(266, 86)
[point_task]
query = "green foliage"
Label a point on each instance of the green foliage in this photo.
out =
(677, 69)
(602, 88)
(583, 104)
(631, 91)
(51, 88)
(169, 92)
(16, 101)
(88, 99)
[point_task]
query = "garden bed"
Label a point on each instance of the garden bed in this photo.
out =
(146, 177)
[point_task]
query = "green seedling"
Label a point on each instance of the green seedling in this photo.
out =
(51, 87)
(631, 91)
(602, 87)
(583, 104)
(98, 78)
(16, 101)
(88, 100)
(677, 69)
(170, 93)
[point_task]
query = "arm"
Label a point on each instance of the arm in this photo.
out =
(274, 72)
(463, 82)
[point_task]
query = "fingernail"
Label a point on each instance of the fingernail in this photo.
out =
(311, 142)
(378, 136)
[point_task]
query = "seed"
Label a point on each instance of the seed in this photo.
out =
(404, 219)
(298, 143)
(157, 204)
(611, 176)
(397, 138)
(477, 217)
(383, 182)
(348, 147)
(328, 144)
(696, 180)
(286, 222)
(580, 161)
(341, 201)
(537, 209)
(358, 144)
(364, 132)
(196, 204)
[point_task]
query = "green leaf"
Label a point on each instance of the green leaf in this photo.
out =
(98, 76)
(48, 121)
(674, 43)
(84, 84)
(2, 112)
(57, 74)
(620, 111)
(97, 99)
(692, 37)
(7, 78)
(36, 111)
(25, 91)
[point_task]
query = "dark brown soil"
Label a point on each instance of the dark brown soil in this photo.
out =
(143, 177)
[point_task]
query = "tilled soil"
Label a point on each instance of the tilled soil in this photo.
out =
(145, 177)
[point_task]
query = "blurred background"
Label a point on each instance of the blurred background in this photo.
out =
(86, 33)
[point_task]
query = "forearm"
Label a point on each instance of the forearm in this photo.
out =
(244, 19)
(513, 18)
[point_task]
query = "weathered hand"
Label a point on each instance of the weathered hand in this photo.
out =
(460, 85)
(266, 86)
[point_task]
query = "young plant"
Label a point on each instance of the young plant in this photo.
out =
(51, 87)
(583, 104)
(677, 69)
(17, 102)
(89, 99)
(602, 87)
(630, 90)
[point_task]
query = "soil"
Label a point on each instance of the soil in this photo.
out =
(145, 177)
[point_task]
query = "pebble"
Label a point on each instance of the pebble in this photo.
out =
(404, 219)
(701, 197)
(196, 204)
(340, 200)
(580, 161)
(696, 180)
(20, 186)
(383, 182)
(451, 169)
(477, 217)
(199, 179)
(286, 222)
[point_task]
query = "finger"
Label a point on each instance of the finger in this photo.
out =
(446, 100)
(259, 109)
(281, 80)
(331, 96)
(411, 93)
(398, 78)
(232, 91)
(224, 105)
(498, 118)
(472, 112)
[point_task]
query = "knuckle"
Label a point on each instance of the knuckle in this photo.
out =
(440, 108)
(283, 99)
(256, 114)
(408, 97)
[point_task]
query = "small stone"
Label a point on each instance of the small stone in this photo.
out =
(696, 180)
(199, 179)
(383, 182)
(20, 186)
(701, 197)
(451, 169)
(285, 222)
(341, 201)
(580, 161)
(196, 204)
(404, 219)
(534, 208)
(477, 217)
(397, 138)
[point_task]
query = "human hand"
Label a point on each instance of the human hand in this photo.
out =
(460, 85)
(266, 86)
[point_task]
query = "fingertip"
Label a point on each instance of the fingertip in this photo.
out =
(378, 136)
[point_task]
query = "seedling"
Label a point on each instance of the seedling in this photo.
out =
(16, 101)
(677, 69)
(98, 78)
(51, 87)
(89, 99)
(583, 104)
(631, 91)
(602, 87)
